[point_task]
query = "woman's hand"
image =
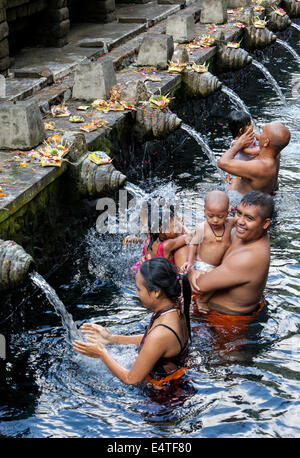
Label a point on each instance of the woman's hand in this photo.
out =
(93, 349)
(96, 332)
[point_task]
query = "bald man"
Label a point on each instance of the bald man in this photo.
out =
(260, 173)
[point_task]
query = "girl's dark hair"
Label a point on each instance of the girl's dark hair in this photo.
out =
(155, 235)
(159, 274)
(238, 120)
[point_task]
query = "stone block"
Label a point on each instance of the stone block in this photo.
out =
(57, 3)
(214, 12)
(181, 55)
(37, 6)
(4, 63)
(2, 14)
(238, 3)
(3, 30)
(4, 48)
(134, 92)
(57, 15)
(76, 144)
(156, 50)
(21, 125)
(2, 87)
(181, 28)
(93, 80)
(105, 6)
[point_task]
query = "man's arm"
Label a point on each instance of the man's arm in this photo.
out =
(234, 271)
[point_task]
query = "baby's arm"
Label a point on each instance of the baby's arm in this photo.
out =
(252, 151)
(132, 239)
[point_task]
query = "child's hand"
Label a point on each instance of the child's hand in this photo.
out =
(186, 267)
(246, 139)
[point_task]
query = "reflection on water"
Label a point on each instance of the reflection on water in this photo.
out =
(247, 386)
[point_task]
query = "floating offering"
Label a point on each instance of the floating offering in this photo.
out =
(90, 127)
(59, 111)
(259, 23)
(259, 8)
(239, 24)
(159, 102)
(176, 67)
(54, 138)
(205, 41)
(280, 11)
(203, 68)
(154, 79)
(76, 119)
(50, 155)
(49, 125)
(233, 45)
(99, 157)
(83, 107)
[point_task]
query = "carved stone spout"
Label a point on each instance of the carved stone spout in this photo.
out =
(203, 84)
(155, 123)
(14, 264)
(277, 22)
(292, 7)
(258, 38)
(229, 59)
(96, 180)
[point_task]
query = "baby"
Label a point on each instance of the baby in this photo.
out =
(238, 121)
(211, 238)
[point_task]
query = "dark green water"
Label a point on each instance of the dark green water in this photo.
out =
(48, 391)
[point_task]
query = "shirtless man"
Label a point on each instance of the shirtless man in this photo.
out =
(236, 286)
(261, 173)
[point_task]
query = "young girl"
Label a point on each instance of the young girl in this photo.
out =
(163, 347)
(161, 243)
(238, 121)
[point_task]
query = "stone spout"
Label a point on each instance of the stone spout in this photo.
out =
(229, 59)
(292, 7)
(258, 38)
(203, 84)
(277, 22)
(96, 180)
(14, 264)
(155, 123)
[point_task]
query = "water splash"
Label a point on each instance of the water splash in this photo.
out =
(136, 191)
(271, 79)
(296, 26)
(200, 140)
(289, 48)
(235, 98)
(67, 320)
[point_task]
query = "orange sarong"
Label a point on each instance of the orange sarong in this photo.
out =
(228, 328)
(163, 381)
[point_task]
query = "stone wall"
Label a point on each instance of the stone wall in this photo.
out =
(4, 46)
(45, 22)
(48, 225)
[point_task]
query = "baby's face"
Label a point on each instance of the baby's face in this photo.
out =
(216, 215)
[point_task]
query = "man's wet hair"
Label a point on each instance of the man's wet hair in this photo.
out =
(238, 120)
(262, 200)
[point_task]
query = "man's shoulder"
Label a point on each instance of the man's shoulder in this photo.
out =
(249, 254)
